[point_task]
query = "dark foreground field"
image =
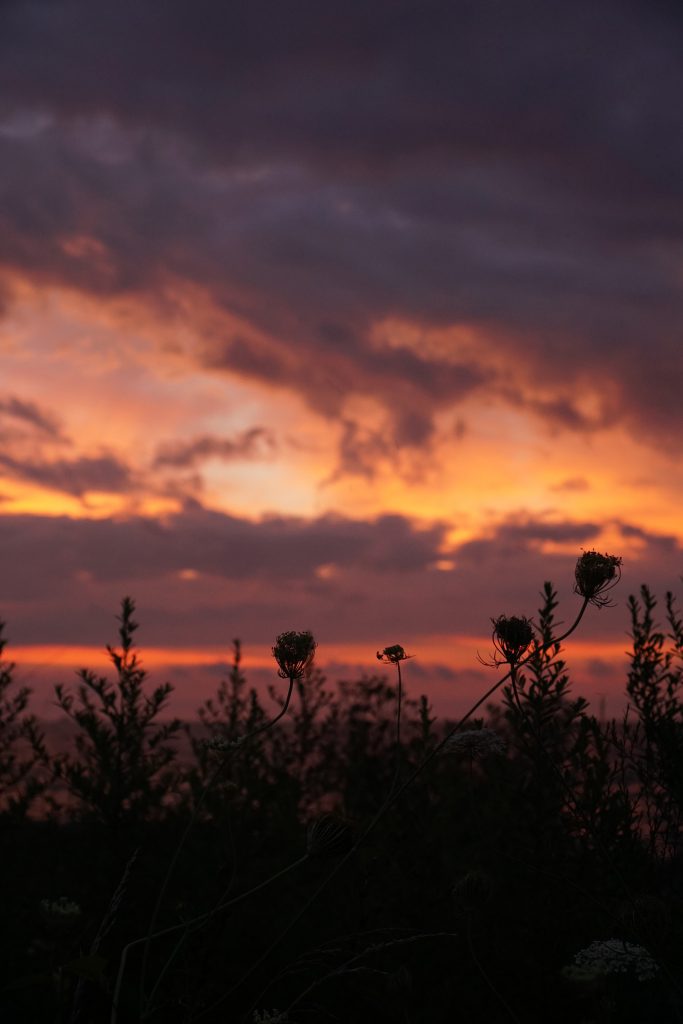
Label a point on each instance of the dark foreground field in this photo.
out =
(342, 865)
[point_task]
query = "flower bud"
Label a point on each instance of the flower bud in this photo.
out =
(294, 653)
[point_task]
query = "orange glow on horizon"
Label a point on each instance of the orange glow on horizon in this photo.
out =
(457, 652)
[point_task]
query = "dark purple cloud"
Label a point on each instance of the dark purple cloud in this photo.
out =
(74, 476)
(254, 442)
(319, 169)
(258, 81)
(513, 537)
(215, 544)
(375, 582)
(31, 415)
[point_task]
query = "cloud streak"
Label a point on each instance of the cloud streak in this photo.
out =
(200, 572)
(255, 442)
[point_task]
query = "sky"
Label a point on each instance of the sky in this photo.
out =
(361, 317)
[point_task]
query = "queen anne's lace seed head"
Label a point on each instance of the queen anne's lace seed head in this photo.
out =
(474, 743)
(62, 908)
(222, 745)
(594, 574)
(512, 636)
(60, 916)
(392, 655)
(614, 956)
(293, 653)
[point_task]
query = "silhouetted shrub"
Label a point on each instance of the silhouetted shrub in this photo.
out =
(22, 746)
(122, 768)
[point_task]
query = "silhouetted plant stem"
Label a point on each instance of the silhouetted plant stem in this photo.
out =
(185, 926)
(190, 825)
(389, 801)
(202, 919)
(485, 977)
(399, 696)
(394, 655)
(379, 947)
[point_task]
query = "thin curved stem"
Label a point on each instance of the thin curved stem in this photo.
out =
(206, 917)
(399, 697)
(480, 967)
(193, 923)
(190, 825)
(369, 951)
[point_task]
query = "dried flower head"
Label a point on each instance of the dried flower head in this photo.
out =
(595, 574)
(614, 956)
(392, 655)
(270, 1017)
(474, 743)
(221, 744)
(328, 836)
(60, 916)
(511, 637)
(62, 908)
(294, 653)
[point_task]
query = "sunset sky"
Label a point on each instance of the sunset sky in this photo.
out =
(361, 317)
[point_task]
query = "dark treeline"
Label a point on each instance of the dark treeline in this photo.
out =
(304, 870)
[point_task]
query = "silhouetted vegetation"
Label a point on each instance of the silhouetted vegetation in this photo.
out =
(353, 858)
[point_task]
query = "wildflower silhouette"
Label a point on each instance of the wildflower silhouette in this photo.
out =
(595, 574)
(294, 653)
(511, 637)
(392, 655)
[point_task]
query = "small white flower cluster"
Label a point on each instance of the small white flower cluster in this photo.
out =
(222, 745)
(475, 743)
(269, 1017)
(62, 907)
(614, 956)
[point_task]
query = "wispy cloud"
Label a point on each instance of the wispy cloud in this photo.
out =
(74, 476)
(28, 413)
(256, 442)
